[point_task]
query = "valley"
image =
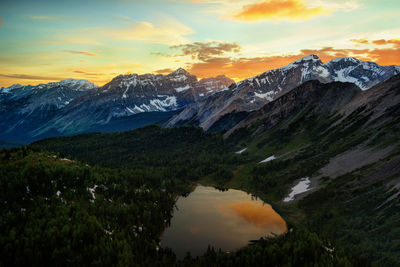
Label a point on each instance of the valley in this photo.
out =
(325, 156)
(200, 133)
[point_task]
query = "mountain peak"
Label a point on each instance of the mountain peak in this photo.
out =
(311, 57)
(77, 84)
(7, 89)
(180, 71)
(350, 59)
(17, 85)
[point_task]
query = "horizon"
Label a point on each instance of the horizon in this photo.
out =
(199, 78)
(45, 41)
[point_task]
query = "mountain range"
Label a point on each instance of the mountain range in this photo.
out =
(76, 106)
(129, 101)
(253, 93)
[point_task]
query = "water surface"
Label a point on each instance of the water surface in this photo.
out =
(226, 220)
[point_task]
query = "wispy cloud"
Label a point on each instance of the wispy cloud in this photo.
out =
(87, 73)
(43, 17)
(31, 77)
(84, 53)
(169, 31)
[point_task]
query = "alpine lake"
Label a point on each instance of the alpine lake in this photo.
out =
(222, 219)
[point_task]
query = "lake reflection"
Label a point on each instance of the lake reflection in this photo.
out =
(226, 220)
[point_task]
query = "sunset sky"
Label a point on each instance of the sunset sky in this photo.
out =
(47, 40)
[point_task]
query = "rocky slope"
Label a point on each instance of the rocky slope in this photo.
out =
(323, 98)
(344, 142)
(253, 93)
(380, 103)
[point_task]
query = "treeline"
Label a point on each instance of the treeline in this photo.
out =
(298, 247)
(61, 212)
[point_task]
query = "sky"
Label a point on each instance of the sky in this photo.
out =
(46, 40)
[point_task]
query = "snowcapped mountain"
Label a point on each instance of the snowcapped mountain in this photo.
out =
(57, 94)
(76, 106)
(255, 92)
(22, 108)
(72, 106)
(133, 93)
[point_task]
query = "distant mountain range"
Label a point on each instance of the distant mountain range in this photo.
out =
(69, 107)
(75, 106)
(253, 93)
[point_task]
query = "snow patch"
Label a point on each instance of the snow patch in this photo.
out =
(181, 89)
(266, 95)
(301, 187)
(92, 191)
(268, 159)
(241, 151)
(159, 104)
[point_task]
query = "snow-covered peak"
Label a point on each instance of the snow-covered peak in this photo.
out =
(8, 89)
(77, 84)
(344, 69)
(180, 71)
(312, 58)
(346, 59)
(14, 86)
(180, 75)
(308, 61)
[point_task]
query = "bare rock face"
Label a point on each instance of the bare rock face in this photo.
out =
(253, 93)
(380, 104)
(323, 98)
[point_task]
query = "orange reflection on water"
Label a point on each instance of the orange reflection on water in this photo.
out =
(194, 229)
(262, 216)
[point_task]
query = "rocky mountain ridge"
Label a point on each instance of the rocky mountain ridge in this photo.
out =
(73, 106)
(253, 93)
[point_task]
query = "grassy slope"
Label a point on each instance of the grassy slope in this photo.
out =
(344, 209)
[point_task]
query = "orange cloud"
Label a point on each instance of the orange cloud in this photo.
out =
(1, 21)
(168, 32)
(31, 77)
(242, 68)
(164, 71)
(395, 42)
(276, 10)
(262, 216)
(87, 73)
(360, 41)
(89, 54)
